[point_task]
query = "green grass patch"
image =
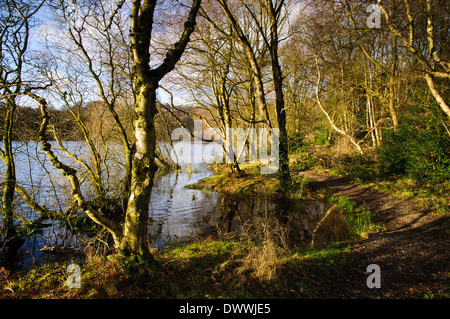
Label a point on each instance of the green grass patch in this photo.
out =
(359, 220)
(248, 183)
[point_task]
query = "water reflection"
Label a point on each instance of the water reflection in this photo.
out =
(304, 223)
(177, 214)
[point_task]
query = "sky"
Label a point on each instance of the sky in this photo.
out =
(45, 32)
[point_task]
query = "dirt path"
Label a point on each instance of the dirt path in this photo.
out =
(413, 253)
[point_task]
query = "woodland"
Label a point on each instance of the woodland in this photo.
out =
(358, 90)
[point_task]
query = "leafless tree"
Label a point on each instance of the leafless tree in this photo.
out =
(15, 24)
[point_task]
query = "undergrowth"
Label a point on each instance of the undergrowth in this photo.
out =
(258, 264)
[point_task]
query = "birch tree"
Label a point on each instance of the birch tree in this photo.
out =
(146, 81)
(15, 25)
(420, 24)
(371, 43)
(131, 237)
(266, 16)
(88, 59)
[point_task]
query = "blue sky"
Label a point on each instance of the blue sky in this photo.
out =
(45, 31)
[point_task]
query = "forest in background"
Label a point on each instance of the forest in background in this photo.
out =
(343, 82)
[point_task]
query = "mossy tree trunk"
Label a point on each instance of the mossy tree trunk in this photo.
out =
(15, 22)
(146, 81)
(274, 16)
(8, 229)
(131, 239)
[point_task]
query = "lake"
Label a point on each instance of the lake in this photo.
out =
(177, 214)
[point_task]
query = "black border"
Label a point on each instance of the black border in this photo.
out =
(170, 308)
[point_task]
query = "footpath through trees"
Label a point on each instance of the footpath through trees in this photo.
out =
(412, 253)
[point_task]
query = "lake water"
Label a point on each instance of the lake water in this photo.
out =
(177, 214)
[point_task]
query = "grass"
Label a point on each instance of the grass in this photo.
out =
(206, 269)
(360, 221)
(365, 171)
(248, 183)
(435, 196)
(258, 264)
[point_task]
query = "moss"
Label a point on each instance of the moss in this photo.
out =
(248, 183)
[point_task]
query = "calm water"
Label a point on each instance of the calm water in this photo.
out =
(177, 213)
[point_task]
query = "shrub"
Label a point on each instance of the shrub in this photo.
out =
(296, 142)
(321, 138)
(359, 167)
(420, 149)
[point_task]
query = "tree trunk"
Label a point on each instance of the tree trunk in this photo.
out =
(392, 109)
(330, 120)
(71, 175)
(256, 71)
(134, 238)
(8, 199)
(437, 96)
(144, 167)
(279, 96)
(9, 231)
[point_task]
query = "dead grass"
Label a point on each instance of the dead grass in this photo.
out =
(271, 246)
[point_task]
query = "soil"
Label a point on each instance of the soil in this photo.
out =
(412, 252)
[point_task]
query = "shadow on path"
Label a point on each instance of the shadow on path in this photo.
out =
(413, 253)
